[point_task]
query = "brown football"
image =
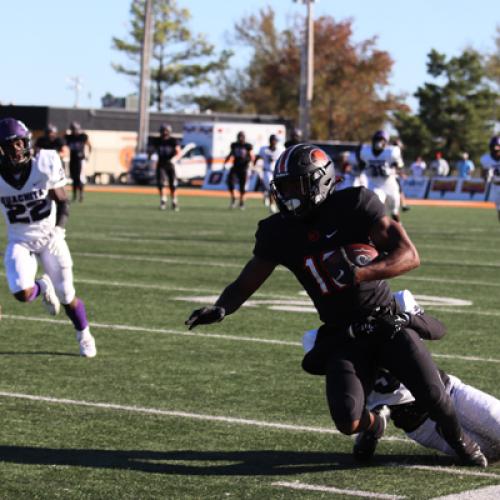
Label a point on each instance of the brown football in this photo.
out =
(360, 254)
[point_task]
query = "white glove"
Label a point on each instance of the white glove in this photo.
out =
(58, 235)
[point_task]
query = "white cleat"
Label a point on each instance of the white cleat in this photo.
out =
(49, 297)
(87, 344)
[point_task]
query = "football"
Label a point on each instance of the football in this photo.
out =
(359, 254)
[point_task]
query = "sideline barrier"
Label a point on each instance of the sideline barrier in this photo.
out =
(446, 188)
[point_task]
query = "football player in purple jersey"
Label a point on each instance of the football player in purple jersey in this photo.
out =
(363, 328)
(35, 206)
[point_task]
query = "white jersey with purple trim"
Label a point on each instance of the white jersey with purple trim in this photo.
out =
(269, 156)
(29, 211)
(382, 165)
(493, 167)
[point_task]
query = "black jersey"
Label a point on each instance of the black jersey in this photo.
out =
(165, 149)
(76, 144)
(45, 142)
(344, 217)
(241, 154)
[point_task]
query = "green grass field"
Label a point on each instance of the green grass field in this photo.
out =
(224, 411)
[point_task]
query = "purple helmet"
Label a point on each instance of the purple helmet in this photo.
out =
(165, 127)
(11, 130)
(380, 135)
(495, 146)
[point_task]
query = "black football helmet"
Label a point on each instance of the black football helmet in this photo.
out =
(304, 176)
(15, 142)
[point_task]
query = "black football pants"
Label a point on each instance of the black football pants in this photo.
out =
(351, 372)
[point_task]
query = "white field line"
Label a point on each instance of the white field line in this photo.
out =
(487, 493)
(295, 485)
(184, 414)
(459, 471)
(237, 338)
(188, 262)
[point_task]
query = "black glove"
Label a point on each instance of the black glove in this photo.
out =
(205, 316)
(342, 270)
(389, 325)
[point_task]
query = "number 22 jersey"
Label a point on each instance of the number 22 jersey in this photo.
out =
(27, 207)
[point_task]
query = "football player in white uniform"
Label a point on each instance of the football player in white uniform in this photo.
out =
(269, 155)
(35, 206)
(478, 413)
(381, 162)
(491, 169)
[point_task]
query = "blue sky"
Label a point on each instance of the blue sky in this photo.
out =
(46, 42)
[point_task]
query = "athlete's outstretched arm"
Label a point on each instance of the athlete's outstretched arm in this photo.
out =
(251, 278)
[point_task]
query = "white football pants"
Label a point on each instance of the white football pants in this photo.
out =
(21, 266)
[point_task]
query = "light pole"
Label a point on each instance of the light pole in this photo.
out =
(144, 88)
(306, 72)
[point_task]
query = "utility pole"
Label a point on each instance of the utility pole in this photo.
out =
(307, 72)
(145, 81)
(76, 85)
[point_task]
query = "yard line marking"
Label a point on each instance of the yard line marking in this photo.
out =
(238, 338)
(449, 470)
(295, 485)
(446, 280)
(184, 414)
(486, 493)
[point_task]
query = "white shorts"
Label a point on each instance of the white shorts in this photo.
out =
(267, 177)
(478, 414)
(387, 190)
(21, 265)
(495, 193)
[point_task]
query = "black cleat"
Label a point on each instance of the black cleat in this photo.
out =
(366, 442)
(469, 453)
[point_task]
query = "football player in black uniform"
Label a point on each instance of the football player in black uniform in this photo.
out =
(295, 138)
(165, 148)
(50, 140)
(242, 154)
(362, 328)
(79, 149)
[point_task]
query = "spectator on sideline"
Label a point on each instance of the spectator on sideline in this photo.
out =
(439, 166)
(79, 151)
(242, 155)
(465, 167)
(164, 149)
(418, 167)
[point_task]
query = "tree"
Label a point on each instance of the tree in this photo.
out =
(349, 99)
(179, 58)
(456, 111)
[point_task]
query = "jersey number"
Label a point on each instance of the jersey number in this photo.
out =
(332, 283)
(20, 213)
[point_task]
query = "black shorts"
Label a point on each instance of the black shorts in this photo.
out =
(240, 174)
(166, 173)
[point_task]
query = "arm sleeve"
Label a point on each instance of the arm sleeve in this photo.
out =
(427, 327)
(50, 163)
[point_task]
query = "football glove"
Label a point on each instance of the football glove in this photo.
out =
(389, 325)
(343, 271)
(205, 316)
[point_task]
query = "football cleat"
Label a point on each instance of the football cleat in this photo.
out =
(87, 344)
(469, 453)
(163, 205)
(366, 442)
(49, 297)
